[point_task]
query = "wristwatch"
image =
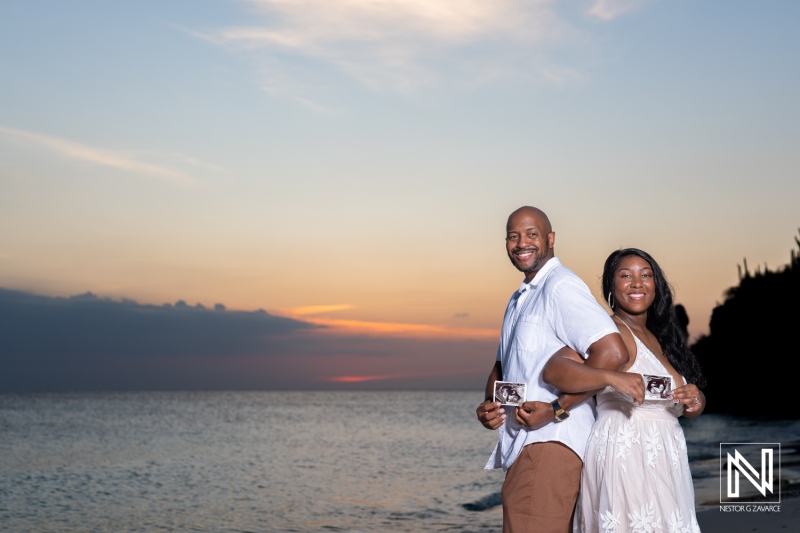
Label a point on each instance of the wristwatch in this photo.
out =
(561, 413)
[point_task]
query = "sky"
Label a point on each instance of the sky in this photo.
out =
(313, 194)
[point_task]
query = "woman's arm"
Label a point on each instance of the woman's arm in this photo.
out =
(565, 371)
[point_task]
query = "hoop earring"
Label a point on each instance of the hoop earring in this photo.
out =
(610, 301)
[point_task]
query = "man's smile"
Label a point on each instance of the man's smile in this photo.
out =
(524, 254)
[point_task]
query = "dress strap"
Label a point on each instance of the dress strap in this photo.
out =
(633, 356)
(624, 324)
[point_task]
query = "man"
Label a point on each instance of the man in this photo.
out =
(541, 446)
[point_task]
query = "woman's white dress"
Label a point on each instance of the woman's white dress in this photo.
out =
(636, 474)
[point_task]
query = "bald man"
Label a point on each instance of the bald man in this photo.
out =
(541, 442)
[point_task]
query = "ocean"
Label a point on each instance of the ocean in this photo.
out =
(322, 461)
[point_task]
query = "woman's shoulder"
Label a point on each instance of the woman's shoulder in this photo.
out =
(628, 338)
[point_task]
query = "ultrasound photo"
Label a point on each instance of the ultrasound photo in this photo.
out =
(656, 387)
(509, 393)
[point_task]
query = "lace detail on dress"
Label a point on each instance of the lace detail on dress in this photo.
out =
(636, 476)
(654, 447)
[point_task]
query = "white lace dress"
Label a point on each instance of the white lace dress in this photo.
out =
(636, 474)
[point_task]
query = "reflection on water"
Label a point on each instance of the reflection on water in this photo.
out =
(274, 461)
(258, 461)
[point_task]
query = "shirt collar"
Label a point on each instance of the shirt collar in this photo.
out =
(538, 279)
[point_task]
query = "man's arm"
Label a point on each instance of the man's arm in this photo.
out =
(608, 353)
(490, 413)
(567, 372)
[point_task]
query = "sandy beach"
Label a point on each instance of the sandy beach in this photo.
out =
(786, 520)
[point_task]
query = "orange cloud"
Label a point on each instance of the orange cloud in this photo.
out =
(383, 329)
(394, 329)
(317, 309)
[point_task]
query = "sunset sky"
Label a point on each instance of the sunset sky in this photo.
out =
(348, 167)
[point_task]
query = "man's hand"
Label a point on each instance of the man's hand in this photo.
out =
(491, 414)
(535, 415)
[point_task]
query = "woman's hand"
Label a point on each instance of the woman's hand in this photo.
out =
(628, 383)
(691, 397)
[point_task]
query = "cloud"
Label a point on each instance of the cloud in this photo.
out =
(87, 342)
(88, 326)
(96, 156)
(407, 45)
(611, 9)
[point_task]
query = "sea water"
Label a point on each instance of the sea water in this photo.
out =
(389, 461)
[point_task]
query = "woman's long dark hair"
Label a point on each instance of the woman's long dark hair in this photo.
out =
(661, 318)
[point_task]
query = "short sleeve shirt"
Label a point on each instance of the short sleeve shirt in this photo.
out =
(555, 309)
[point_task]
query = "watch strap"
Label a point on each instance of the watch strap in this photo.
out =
(561, 414)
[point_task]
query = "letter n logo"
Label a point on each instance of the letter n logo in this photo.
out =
(737, 460)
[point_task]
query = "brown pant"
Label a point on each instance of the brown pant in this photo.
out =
(541, 488)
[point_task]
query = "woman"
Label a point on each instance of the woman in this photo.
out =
(636, 474)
